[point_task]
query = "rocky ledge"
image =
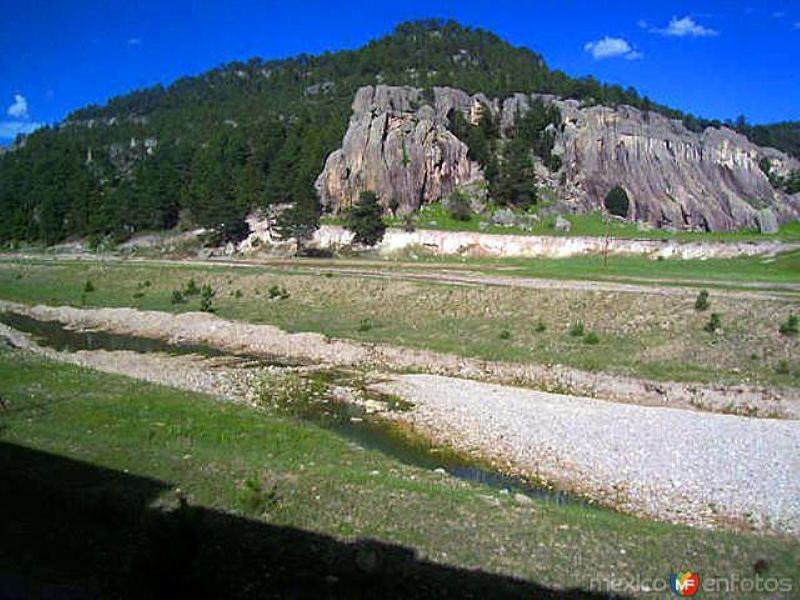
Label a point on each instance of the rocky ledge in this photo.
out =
(399, 146)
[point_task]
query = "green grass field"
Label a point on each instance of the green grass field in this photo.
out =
(90, 455)
(652, 335)
(433, 216)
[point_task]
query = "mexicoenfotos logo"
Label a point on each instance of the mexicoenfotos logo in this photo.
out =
(684, 584)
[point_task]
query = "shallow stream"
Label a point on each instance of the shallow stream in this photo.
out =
(350, 421)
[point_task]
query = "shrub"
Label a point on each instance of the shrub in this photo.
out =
(88, 287)
(290, 392)
(540, 327)
(790, 326)
(257, 498)
(592, 338)
(616, 201)
(364, 325)
(177, 297)
(458, 206)
(238, 294)
(505, 334)
(714, 323)
(577, 329)
(277, 292)
(702, 303)
(783, 368)
(207, 298)
(138, 294)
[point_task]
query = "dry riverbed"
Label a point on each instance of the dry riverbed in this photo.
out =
(267, 340)
(665, 463)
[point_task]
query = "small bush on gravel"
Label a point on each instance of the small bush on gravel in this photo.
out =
(714, 323)
(592, 338)
(290, 391)
(790, 326)
(577, 329)
(505, 334)
(540, 327)
(207, 294)
(702, 302)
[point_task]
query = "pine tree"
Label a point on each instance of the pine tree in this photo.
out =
(365, 220)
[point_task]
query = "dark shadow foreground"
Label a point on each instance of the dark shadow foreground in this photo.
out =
(70, 530)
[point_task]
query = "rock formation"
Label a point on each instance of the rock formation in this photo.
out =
(398, 145)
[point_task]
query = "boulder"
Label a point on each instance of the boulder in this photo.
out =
(767, 221)
(504, 217)
(562, 225)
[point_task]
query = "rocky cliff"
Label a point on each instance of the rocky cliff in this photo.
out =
(398, 145)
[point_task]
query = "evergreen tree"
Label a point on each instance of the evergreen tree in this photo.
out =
(365, 220)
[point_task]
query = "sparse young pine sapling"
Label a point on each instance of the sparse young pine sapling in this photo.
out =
(191, 288)
(88, 287)
(592, 338)
(577, 329)
(702, 303)
(207, 298)
(714, 323)
(791, 326)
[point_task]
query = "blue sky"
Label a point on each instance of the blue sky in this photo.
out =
(715, 58)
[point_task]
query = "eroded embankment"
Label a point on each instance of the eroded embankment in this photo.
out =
(239, 337)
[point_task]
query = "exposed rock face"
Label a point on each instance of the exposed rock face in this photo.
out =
(398, 145)
(673, 177)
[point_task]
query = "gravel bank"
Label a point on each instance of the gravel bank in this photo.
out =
(665, 463)
(267, 340)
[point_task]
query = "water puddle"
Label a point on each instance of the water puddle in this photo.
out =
(58, 336)
(353, 422)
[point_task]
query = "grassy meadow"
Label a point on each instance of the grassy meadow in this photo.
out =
(101, 464)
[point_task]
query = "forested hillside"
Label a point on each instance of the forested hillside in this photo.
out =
(206, 150)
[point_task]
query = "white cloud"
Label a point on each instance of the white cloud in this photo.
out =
(610, 47)
(134, 41)
(642, 24)
(778, 14)
(685, 27)
(797, 25)
(19, 109)
(10, 129)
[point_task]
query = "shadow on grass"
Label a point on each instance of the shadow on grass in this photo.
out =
(72, 530)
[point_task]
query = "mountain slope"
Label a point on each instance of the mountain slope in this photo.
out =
(207, 149)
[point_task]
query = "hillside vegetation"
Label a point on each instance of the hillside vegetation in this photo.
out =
(206, 150)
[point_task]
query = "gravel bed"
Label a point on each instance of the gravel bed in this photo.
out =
(665, 463)
(316, 349)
